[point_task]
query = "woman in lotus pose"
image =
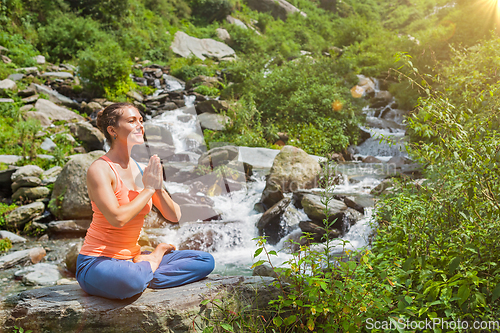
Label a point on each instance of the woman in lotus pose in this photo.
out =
(110, 263)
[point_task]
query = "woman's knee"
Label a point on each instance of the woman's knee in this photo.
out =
(207, 263)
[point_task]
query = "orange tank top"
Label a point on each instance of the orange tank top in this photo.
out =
(103, 239)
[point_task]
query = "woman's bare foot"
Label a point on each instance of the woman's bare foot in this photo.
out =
(154, 258)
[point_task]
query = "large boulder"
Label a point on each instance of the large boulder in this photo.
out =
(56, 97)
(212, 105)
(92, 138)
(40, 116)
(68, 308)
(219, 156)
(31, 193)
(270, 222)
(213, 121)
(19, 216)
(185, 46)
(69, 196)
(7, 85)
(293, 170)
(26, 171)
(315, 210)
(56, 112)
(278, 8)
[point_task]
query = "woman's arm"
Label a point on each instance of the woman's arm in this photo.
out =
(168, 208)
(101, 192)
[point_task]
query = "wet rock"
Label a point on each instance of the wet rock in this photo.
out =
(72, 256)
(212, 106)
(26, 171)
(13, 237)
(213, 121)
(219, 156)
(385, 184)
(91, 137)
(206, 240)
(69, 228)
(154, 219)
(185, 45)
(135, 95)
(29, 181)
(92, 107)
(55, 112)
(31, 193)
(41, 274)
(161, 132)
(7, 85)
(278, 8)
(21, 257)
(318, 231)
(371, 159)
(71, 185)
(19, 216)
(270, 222)
(194, 212)
(314, 209)
(399, 161)
(264, 270)
(67, 308)
(292, 170)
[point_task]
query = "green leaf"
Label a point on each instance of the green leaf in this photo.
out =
(463, 293)
(227, 327)
(407, 264)
(454, 264)
(258, 263)
(205, 302)
(290, 320)
(258, 252)
(209, 329)
(496, 293)
(277, 321)
(408, 299)
(273, 253)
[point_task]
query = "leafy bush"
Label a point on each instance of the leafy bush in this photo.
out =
(4, 211)
(211, 10)
(107, 11)
(105, 68)
(207, 91)
(186, 72)
(5, 244)
(21, 52)
(66, 34)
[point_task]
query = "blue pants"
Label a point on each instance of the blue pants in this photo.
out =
(120, 279)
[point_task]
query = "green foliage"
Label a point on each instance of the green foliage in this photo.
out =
(106, 68)
(26, 131)
(190, 68)
(211, 10)
(106, 11)
(4, 211)
(207, 91)
(66, 34)
(21, 52)
(5, 244)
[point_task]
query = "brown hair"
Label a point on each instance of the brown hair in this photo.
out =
(109, 116)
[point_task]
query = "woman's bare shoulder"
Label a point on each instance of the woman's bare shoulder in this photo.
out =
(99, 168)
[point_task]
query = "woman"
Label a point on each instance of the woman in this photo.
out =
(110, 263)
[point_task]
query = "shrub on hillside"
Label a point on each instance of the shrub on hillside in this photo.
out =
(211, 10)
(66, 34)
(21, 52)
(106, 11)
(105, 67)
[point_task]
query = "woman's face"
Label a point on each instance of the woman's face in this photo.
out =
(130, 127)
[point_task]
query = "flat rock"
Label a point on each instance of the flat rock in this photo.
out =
(6, 100)
(48, 145)
(12, 236)
(67, 308)
(213, 121)
(41, 274)
(40, 116)
(56, 97)
(56, 112)
(52, 172)
(185, 45)
(278, 8)
(16, 77)
(40, 59)
(23, 214)
(26, 171)
(29, 181)
(7, 84)
(59, 75)
(31, 193)
(70, 227)
(28, 70)
(20, 257)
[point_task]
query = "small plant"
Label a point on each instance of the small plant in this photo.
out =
(5, 244)
(21, 330)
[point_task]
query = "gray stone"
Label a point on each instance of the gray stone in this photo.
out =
(6, 59)
(236, 22)
(71, 184)
(31, 193)
(21, 257)
(6, 85)
(58, 75)
(185, 45)
(92, 138)
(278, 8)
(29, 181)
(292, 170)
(135, 95)
(209, 81)
(317, 231)
(52, 172)
(41, 274)
(45, 157)
(385, 184)
(194, 212)
(6, 100)
(68, 67)
(72, 256)
(161, 132)
(16, 77)
(371, 159)
(212, 105)
(213, 121)
(48, 145)
(223, 35)
(92, 107)
(219, 156)
(56, 97)
(23, 214)
(30, 99)
(314, 209)
(67, 308)
(30, 91)
(40, 59)
(28, 70)
(42, 117)
(26, 171)
(56, 112)
(14, 239)
(69, 227)
(10, 159)
(163, 150)
(27, 107)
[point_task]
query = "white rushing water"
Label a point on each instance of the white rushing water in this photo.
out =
(230, 240)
